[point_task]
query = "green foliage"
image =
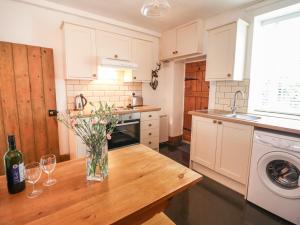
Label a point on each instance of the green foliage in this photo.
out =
(93, 129)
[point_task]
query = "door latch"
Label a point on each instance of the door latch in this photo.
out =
(52, 112)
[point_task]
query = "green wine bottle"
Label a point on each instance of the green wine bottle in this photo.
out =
(14, 166)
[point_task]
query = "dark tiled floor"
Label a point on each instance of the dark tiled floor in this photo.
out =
(209, 203)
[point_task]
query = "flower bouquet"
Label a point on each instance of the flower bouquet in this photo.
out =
(93, 130)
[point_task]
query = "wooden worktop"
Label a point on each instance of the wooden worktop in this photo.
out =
(140, 181)
(144, 108)
(268, 122)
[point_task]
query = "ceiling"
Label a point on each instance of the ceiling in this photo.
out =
(181, 11)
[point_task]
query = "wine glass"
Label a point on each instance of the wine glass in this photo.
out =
(48, 163)
(32, 175)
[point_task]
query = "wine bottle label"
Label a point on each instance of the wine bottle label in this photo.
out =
(17, 173)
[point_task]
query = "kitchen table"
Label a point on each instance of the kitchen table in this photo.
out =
(140, 184)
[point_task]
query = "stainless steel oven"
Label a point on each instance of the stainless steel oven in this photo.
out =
(127, 132)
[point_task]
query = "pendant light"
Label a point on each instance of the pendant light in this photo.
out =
(155, 8)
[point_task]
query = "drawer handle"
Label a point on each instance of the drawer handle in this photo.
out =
(150, 116)
(134, 78)
(150, 124)
(214, 121)
(94, 75)
(116, 56)
(219, 122)
(150, 142)
(228, 75)
(150, 134)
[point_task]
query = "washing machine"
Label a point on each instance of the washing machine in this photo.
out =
(274, 181)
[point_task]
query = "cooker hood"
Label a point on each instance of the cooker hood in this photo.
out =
(117, 64)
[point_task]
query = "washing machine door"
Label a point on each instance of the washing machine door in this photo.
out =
(280, 172)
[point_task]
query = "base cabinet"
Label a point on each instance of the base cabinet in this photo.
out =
(150, 130)
(222, 151)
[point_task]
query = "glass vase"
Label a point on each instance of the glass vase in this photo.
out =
(97, 164)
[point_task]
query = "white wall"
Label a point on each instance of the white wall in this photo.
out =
(32, 25)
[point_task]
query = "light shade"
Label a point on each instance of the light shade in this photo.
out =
(155, 8)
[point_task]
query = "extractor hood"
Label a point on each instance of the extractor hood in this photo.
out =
(117, 64)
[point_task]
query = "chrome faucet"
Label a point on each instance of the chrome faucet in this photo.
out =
(234, 106)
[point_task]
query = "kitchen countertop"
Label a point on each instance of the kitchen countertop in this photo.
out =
(268, 122)
(145, 108)
(140, 184)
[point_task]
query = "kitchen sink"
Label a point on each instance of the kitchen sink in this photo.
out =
(242, 116)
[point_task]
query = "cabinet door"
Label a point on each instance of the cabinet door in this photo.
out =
(220, 53)
(187, 40)
(204, 141)
(142, 54)
(80, 52)
(168, 44)
(233, 150)
(113, 46)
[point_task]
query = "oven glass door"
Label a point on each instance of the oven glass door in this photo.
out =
(124, 134)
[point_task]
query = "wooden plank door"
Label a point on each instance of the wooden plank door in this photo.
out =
(196, 94)
(27, 92)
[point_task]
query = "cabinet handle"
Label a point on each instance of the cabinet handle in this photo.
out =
(150, 124)
(116, 56)
(173, 52)
(150, 116)
(150, 134)
(134, 78)
(94, 75)
(176, 52)
(214, 121)
(150, 142)
(228, 75)
(219, 122)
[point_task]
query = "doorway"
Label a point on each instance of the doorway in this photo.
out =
(196, 94)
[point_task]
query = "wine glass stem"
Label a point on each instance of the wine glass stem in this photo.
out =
(33, 189)
(49, 177)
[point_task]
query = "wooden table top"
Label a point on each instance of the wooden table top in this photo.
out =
(138, 178)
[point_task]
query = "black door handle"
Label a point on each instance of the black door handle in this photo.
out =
(52, 112)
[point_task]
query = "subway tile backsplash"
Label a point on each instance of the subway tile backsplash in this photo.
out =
(224, 95)
(114, 92)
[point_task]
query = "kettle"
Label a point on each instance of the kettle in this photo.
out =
(80, 102)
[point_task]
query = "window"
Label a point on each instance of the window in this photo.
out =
(275, 70)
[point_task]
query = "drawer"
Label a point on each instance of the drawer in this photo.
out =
(148, 124)
(149, 116)
(152, 142)
(148, 133)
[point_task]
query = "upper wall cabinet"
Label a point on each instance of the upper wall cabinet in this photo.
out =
(142, 54)
(80, 52)
(185, 40)
(226, 52)
(113, 46)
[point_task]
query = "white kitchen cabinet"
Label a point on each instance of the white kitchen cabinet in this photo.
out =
(226, 52)
(113, 46)
(221, 150)
(185, 40)
(142, 54)
(168, 44)
(233, 151)
(80, 52)
(150, 129)
(204, 141)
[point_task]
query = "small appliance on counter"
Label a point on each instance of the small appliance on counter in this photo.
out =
(80, 102)
(136, 100)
